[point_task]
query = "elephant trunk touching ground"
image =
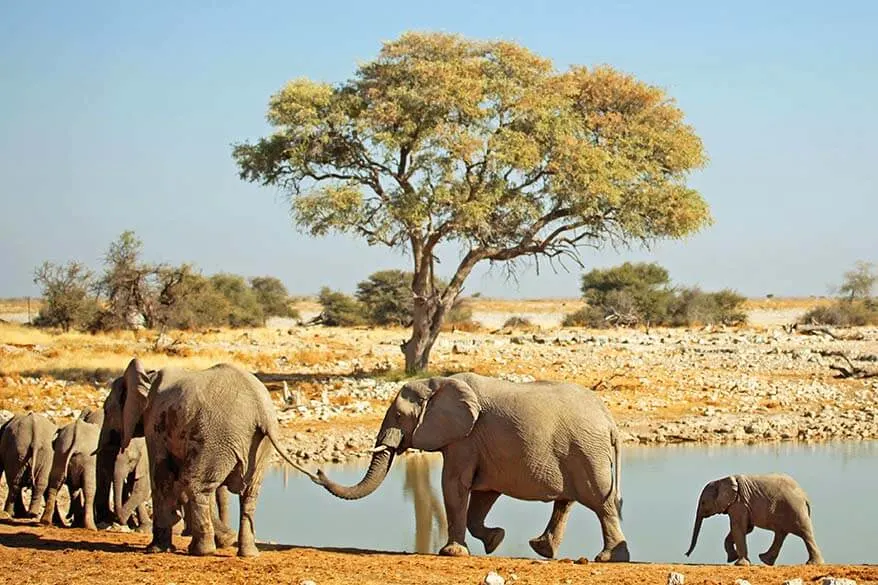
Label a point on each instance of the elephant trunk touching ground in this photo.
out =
(696, 530)
(382, 458)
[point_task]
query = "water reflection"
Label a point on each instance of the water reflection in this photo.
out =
(429, 509)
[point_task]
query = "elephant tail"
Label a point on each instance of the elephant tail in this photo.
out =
(270, 433)
(617, 471)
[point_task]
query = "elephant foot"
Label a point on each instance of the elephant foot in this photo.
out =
(742, 563)
(202, 547)
(248, 551)
(452, 549)
(225, 539)
(155, 547)
(767, 558)
(543, 546)
(814, 561)
(144, 528)
(46, 520)
(731, 557)
(617, 554)
(493, 539)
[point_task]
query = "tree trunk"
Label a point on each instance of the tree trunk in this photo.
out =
(427, 319)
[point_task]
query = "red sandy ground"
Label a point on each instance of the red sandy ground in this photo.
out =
(36, 555)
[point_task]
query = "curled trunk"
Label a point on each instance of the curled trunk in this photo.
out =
(389, 440)
(119, 476)
(695, 531)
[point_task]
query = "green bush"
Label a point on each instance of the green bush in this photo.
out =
(272, 296)
(692, 306)
(66, 300)
(843, 313)
(386, 297)
(517, 321)
(340, 310)
(242, 308)
(592, 317)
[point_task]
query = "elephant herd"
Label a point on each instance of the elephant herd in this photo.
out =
(182, 440)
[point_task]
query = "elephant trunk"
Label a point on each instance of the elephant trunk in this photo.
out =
(119, 476)
(378, 468)
(695, 531)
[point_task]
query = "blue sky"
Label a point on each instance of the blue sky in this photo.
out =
(120, 115)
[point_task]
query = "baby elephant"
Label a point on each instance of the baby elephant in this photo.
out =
(774, 502)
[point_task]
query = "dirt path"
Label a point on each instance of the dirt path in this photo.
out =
(49, 556)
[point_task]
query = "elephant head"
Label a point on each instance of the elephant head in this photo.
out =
(137, 383)
(715, 498)
(426, 414)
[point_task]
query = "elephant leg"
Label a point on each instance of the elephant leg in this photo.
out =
(164, 503)
(456, 481)
(479, 505)
(246, 529)
(104, 479)
(740, 526)
(198, 510)
(144, 520)
(50, 509)
(547, 543)
(770, 556)
(14, 500)
(729, 545)
(88, 500)
(222, 504)
(224, 536)
(38, 494)
(615, 546)
(815, 557)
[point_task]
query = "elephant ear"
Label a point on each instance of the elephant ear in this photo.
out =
(450, 413)
(137, 379)
(727, 493)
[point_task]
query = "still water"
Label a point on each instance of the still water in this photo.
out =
(660, 486)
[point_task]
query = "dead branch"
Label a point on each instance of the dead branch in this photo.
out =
(850, 370)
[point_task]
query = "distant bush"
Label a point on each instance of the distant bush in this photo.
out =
(272, 296)
(66, 300)
(843, 313)
(631, 294)
(591, 317)
(386, 297)
(339, 309)
(517, 321)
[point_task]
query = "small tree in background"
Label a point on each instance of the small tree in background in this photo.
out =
(66, 300)
(339, 309)
(387, 297)
(630, 293)
(482, 145)
(126, 286)
(272, 296)
(859, 281)
(242, 308)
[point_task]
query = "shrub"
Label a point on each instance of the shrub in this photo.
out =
(386, 297)
(242, 308)
(339, 309)
(517, 321)
(66, 300)
(692, 306)
(843, 313)
(629, 293)
(593, 317)
(272, 296)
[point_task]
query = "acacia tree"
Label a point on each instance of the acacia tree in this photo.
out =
(484, 145)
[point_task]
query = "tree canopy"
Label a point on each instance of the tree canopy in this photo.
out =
(483, 144)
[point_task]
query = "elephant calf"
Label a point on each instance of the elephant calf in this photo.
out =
(75, 463)
(774, 502)
(26, 457)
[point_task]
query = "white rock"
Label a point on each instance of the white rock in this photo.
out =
(836, 581)
(307, 582)
(795, 581)
(676, 578)
(742, 582)
(493, 578)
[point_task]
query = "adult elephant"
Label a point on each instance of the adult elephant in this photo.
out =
(74, 463)
(539, 441)
(203, 430)
(26, 457)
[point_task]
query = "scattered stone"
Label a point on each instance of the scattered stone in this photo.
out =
(837, 581)
(493, 578)
(582, 561)
(676, 578)
(307, 582)
(742, 582)
(796, 581)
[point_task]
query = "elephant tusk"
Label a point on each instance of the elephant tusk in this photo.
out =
(377, 449)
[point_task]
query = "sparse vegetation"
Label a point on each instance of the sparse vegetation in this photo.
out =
(517, 321)
(641, 293)
(339, 309)
(66, 300)
(856, 308)
(386, 297)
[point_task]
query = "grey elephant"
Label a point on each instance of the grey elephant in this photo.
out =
(131, 474)
(542, 441)
(774, 502)
(74, 463)
(26, 457)
(203, 430)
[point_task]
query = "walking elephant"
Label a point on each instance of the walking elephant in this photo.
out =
(26, 457)
(74, 463)
(541, 441)
(203, 430)
(774, 502)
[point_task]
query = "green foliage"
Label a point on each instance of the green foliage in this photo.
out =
(126, 286)
(630, 294)
(843, 313)
(859, 281)
(66, 300)
(272, 296)
(242, 308)
(339, 309)
(386, 297)
(482, 143)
